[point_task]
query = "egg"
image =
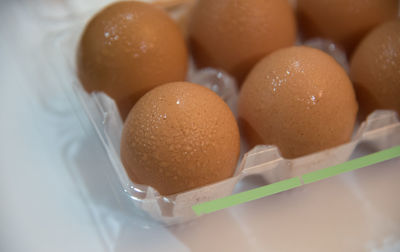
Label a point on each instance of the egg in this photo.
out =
(232, 35)
(344, 21)
(299, 99)
(375, 69)
(180, 136)
(129, 48)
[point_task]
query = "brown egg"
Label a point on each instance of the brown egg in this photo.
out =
(299, 99)
(129, 48)
(343, 21)
(180, 136)
(233, 35)
(375, 69)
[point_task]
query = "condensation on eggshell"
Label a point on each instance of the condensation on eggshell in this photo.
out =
(299, 99)
(180, 136)
(129, 48)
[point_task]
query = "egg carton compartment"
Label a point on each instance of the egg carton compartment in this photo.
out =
(381, 130)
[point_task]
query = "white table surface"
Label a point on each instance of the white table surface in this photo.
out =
(52, 199)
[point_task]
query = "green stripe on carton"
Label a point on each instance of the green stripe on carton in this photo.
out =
(239, 198)
(284, 185)
(352, 165)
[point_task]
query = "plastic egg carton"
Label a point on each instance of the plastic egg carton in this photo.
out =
(381, 130)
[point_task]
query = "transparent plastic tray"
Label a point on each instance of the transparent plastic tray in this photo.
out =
(382, 129)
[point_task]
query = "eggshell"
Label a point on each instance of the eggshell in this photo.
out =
(299, 99)
(180, 136)
(345, 22)
(233, 35)
(375, 69)
(129, 48)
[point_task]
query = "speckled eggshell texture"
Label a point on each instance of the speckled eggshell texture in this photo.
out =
(180, 136)
(233, 35)
(299, 99)
(375, 69)
(129, 48)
